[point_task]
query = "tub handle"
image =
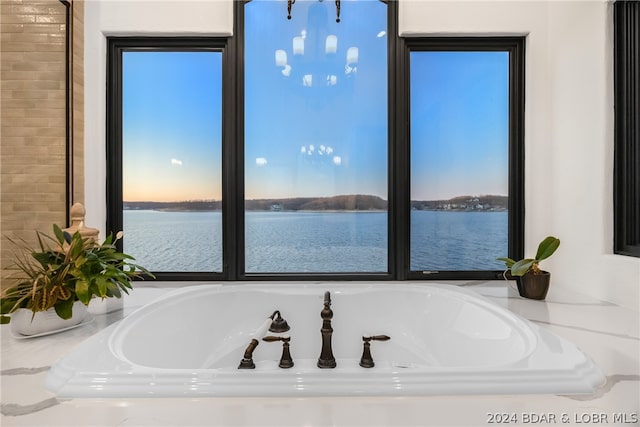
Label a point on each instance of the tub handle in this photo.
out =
(376, 338)
(366, 361)
(285, 360)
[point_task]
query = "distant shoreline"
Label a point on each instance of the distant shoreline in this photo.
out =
(343, 203)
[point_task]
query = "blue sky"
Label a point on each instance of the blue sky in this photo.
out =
(459, 124)
(171, 125)
(315, 123)
(341, 107)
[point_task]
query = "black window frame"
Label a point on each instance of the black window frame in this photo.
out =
(398, 147)
(116, 46)
(626, 195)
(392, 273)
(515, 46)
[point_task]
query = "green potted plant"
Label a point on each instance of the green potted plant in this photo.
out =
(56, 281)
(532, 281)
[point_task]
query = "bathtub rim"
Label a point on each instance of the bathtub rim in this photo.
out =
(69, 376)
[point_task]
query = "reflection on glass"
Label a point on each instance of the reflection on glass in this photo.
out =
(315, 137)
(171, 139)
(459, 159)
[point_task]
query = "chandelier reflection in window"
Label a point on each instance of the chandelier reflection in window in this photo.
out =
(292, 2)
(316, 57)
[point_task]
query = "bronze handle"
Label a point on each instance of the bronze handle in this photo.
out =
(376, 338)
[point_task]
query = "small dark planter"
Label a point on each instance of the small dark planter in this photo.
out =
(534, 286)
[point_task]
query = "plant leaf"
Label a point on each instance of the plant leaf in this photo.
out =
(116, 291)
(102, 286)
(508, 262)
(59, 234)
(547, 247)
(108, 240)
(82, 291)
(7, 306)
(64, 308)
(521, 267)
(4, 319)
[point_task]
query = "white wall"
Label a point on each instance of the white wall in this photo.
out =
(568, 128)
(568, 121)
(105, 18)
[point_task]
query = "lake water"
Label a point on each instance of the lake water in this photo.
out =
(315, 241)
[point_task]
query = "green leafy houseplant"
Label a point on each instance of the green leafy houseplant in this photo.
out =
(546, 248)
(532, 282)
(64, 269)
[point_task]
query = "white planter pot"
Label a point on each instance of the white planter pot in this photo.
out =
(25, 322)
(98, 305)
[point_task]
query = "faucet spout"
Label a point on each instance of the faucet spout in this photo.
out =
(326, 359)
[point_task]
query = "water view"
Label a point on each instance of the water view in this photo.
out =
(306, 242)
(316, 150)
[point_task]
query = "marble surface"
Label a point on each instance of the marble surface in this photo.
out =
(609, 334)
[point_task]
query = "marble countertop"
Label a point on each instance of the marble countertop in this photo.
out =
(609, 334)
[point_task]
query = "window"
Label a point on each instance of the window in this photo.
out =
(324, 151)
(168, 111)
(627, 128)
(464, 136)
(315, 138)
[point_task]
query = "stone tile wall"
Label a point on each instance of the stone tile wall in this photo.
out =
(77, 77)
(33, 127)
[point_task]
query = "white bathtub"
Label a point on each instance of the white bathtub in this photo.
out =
(444, 340)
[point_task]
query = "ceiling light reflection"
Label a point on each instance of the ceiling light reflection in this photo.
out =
(331, 44)
(352, 55)
(281, 58)
(298, 45)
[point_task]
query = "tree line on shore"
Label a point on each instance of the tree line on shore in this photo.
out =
(350, 202)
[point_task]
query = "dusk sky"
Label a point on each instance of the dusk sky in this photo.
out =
(315, 122)
(315, 99)
(172, 129)
(459, 124)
